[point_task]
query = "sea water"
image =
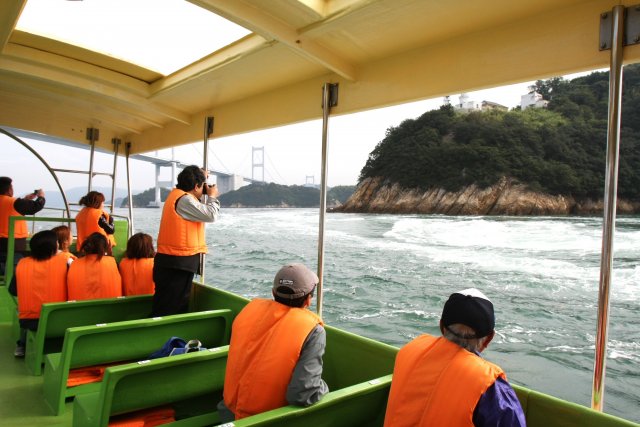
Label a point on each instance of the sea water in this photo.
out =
(388, 276)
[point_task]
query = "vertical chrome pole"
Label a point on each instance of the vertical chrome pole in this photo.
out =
(92, 137)
(208, 130)
(116, 147)
(609, 215)
(327, 102)
(127, 150)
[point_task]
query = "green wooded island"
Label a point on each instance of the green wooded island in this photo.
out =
(537, 161)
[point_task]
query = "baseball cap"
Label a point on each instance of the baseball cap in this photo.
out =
(472, 308)
(298, 278)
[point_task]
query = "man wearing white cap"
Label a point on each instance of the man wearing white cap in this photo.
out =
(276, 349)
(444, 381)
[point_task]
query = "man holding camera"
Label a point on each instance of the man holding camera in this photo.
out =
(181, 240)
(12, 206)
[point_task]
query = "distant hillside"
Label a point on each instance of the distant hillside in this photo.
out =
(283, 196)
(141, 200)
(557, 151)
(55, 200)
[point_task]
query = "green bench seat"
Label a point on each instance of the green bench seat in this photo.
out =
(55, 318)
(359, 405)
(150, 383)
(542, 410)
(86, 346)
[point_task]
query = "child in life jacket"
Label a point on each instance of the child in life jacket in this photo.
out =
(136, 269)
(95, 273)
(40, 278)
(64, 242)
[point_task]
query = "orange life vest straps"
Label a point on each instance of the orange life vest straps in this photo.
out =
(91, 279)
(87, 224)
(437, 383)
(177, 236)
(137, 276)
(40, 282)
(266, 340)
(6, 210)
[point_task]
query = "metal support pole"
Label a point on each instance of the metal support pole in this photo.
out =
(92, 136)
(46, 165)
(609, 216)
(116, 147)
(127, 150)
(329, 99)
(208, 130)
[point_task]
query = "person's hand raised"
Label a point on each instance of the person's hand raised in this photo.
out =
(212, 190)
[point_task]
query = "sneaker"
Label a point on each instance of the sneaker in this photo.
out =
(19, 352)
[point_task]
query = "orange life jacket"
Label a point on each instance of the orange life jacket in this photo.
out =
(437, 383)
(266, 340)
(20, 230)
(87, 224)
(137, 276)
(40, 282)
(177, 236)
(91, 279)
(144, 418)
(67, 255)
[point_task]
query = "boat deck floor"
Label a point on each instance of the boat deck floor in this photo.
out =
(21, 397)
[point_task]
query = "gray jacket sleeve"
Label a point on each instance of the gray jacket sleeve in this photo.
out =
(193, 210)
(307, 386)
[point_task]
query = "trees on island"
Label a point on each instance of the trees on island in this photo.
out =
(557, 150)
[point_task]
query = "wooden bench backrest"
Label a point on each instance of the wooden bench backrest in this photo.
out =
(55, 318)
(357, 405)
(542, 410)
(147, 384)
(135, 339)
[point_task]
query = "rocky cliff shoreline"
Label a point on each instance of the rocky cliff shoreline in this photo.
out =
(506, 197)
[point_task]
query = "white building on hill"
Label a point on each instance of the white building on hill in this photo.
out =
(532, 99)
(465, 104)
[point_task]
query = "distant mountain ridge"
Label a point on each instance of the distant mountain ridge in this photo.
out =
(261, 196)
(55, 200)
(283, 196)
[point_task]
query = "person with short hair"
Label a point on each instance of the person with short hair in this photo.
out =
(64, 242)
(40, 278)
(181, 240)
(12, 206)
(136, 268)
(443, 381)
(95, 274)
(276, 349)
(92, 218)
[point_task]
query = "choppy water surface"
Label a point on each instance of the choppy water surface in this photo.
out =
(387, 277)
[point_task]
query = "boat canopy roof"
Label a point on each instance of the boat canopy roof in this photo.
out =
(381, 52)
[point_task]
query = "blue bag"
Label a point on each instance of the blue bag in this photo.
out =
(176, 345)
(189, 347)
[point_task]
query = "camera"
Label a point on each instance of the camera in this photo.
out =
(37, 190)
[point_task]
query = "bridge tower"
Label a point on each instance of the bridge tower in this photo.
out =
(157, 202)
(257, 161)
